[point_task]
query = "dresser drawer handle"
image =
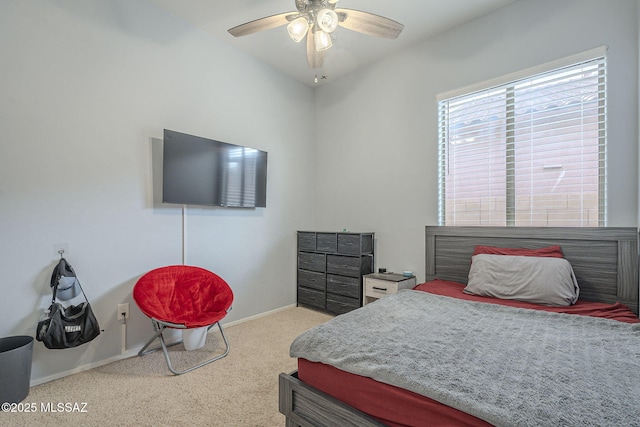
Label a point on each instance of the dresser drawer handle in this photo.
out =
(380, 289)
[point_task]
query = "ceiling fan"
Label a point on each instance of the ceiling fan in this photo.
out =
(317, 19)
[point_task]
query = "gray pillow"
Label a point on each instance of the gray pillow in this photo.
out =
(541, 280)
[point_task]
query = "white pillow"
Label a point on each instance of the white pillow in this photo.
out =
(541, 280)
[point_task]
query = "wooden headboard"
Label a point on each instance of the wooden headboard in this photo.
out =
(605, 260)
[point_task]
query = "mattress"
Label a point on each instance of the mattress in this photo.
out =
(616, 311)
(390, 405)
(395, 406)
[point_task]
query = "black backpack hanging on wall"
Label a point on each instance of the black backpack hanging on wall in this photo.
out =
(66, 327)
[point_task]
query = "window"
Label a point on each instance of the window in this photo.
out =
(529, 151)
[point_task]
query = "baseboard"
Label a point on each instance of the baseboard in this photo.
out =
(134, 351)
(86, 367)
(257, 316)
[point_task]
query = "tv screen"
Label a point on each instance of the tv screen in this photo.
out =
(201, 171)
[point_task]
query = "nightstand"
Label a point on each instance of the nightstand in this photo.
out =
(377, 285)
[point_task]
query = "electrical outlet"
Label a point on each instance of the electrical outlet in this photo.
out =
(123, 311)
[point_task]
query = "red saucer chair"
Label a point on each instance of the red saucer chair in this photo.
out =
(182, 297)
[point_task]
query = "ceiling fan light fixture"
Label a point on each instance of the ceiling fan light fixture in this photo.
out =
(298, 28)
(323, 40)
(316, 20)
(327, 20)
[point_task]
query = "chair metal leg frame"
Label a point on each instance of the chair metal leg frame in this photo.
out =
(159, 327)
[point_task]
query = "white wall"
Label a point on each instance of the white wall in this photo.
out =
(377, 156)
(86, 89)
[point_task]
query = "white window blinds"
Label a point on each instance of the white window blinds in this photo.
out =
(527, 152)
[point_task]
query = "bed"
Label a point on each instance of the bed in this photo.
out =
(450, 381)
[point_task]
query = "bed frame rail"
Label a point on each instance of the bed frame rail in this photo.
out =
(306, 406)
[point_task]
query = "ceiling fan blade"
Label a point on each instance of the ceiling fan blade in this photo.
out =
(369, 23)
(314, 58)
(262, 24)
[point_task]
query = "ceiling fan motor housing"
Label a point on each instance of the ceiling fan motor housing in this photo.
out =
(307, 5)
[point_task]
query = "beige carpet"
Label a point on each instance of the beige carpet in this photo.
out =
(238, 390)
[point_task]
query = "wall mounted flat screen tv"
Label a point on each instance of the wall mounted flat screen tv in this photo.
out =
(201, 171)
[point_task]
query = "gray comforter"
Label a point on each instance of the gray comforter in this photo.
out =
(507, 366)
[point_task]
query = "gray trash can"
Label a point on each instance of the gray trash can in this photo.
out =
(15, 368)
